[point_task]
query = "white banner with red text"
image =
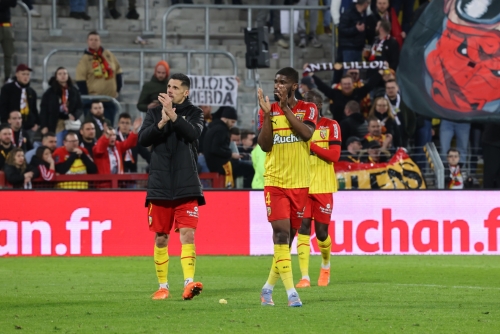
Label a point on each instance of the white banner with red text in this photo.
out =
(51, 223)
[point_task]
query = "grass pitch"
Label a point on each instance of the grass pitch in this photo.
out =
(367, 294)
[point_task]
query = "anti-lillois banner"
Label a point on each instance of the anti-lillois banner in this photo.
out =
(214, 90)
(451, 58)
(399, 173)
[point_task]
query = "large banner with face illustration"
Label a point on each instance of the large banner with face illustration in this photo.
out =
(401, 172)
(450, 61)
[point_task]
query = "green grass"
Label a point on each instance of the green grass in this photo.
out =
(368, 294)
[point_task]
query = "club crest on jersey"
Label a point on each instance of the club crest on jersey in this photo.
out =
(300, 116)
(322, 134)
(268, 211)
(150, 220)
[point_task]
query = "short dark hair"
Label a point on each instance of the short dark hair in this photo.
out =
(361, 2)
(245, 133)
(85, 122)
(94, 102)
(10, 112)
(184, 79)
(5, 126)
(315, 97)
(48, 134)
(353, 106)
(372, 118)
(93, 32)
(453, 150)
(235, 131)
(124, 115)
(347, 76)
(70, 132)
(290, 73)
(391, 80)
(386, 25)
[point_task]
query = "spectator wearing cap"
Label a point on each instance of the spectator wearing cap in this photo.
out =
(6, 40)
(217, 151)
(99, 73)
(375, 153)
(18, 95)
(354, 124)
(148, 99)
(354, 146)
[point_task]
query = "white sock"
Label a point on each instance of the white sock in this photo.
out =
(290, 291)
(164, 285)
(325, 266)
(306, 277)
(187, 281)
(268, 286)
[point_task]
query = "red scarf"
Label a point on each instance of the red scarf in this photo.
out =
(378, 47)
(100, 65)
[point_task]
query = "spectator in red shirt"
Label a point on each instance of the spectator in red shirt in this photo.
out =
(71, 159)
(108, 152)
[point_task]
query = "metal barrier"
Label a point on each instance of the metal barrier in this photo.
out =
(55, 31)
(108, 181)
(106, 98)
(30, 37)
(141, 52)
(249, 23)
(435, 163)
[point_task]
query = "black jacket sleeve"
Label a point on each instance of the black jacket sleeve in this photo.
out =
(144, 152)
(119, 82)
(82, 87)
(4, 105)
(324, 88)
(44, 110)
(78, 110)
(345, 26)
(63, 167)
(393, 53)
(5, 4)
(191, 128)
(217, 147)
(89, 164)
(375, 78)
(13, 175)
(150, 132)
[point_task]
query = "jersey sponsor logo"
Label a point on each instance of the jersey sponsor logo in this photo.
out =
(268, 211)
(275, 113)
(313, 113)
(286, 139)
(335, 131)
(193, 213)
(326, 210)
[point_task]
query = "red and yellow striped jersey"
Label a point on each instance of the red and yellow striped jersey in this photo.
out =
(287, 165)
(323, 179)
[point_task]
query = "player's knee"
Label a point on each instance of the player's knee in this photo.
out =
(161, 240)
(322, 233)
(305, 227)
(281, 237)
(187, 236)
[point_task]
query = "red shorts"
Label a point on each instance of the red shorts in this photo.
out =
(180, 213)
(319, 207)
(285, 204)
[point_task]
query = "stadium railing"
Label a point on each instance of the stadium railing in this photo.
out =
(249, 9)
(29, 32)
(110, 181)
(141, 53)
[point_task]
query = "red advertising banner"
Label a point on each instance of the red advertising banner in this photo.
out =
(111, 223)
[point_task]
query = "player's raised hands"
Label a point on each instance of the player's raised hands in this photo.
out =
(264, 103)
(282, 95)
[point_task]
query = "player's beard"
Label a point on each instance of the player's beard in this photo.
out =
(289, 95)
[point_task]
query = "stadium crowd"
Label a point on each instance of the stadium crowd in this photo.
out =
(63, 135)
